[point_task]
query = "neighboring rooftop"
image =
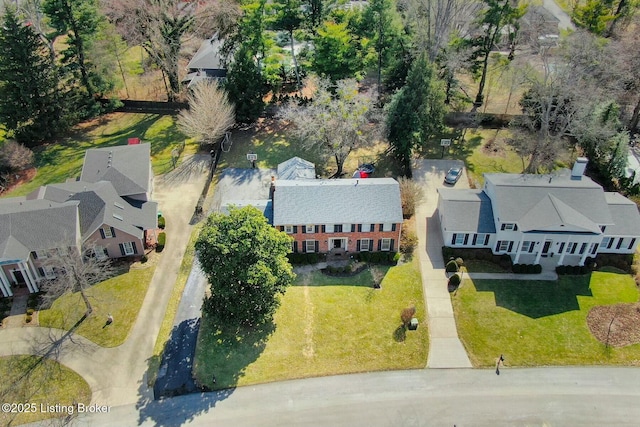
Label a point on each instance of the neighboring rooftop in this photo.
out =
(625, 216)
(466, 210)
(264, 206)
(296, 168)
(337, 201)
(125, 166)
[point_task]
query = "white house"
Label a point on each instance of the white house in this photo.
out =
(565, 216)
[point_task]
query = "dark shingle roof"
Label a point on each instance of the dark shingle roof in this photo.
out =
(466, 210)
(125, 166)
(337, 201)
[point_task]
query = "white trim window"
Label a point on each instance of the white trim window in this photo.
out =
(527, 246)
(288, 229)
(504, 245)
(107, 232)
(571, 247)
(46, 272)
(128, 248)
(41, 254)
(480, 238)
(309, 246)
(365, 228)
(365, 245)
(385, 245)
(509, 226)
(310, 228)
(607, 242)
(387, 227)
(328, 228)
(459, 239)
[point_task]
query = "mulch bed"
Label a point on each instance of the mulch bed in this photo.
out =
(18, 178)
(615, 325)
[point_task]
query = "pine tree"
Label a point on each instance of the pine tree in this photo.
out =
(30, 107)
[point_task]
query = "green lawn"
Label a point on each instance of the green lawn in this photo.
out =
(120, 296)
(540, 323)
(49, 383)
(325, 326)
(62, 160)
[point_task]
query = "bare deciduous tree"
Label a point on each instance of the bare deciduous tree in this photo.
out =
(411, 194)
(15, 156)
(210, 113)
(76, 271)
(335, 125)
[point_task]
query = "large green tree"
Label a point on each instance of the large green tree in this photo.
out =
(289, 17)
(336, 55)
(30, 107)
(416, 112)
(244, 259)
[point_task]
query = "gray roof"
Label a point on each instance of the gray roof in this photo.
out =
(264, 206)
(29, 225)
(551, 214)
(125, 166)
(337, 201)
(296, 168)
(100, 204)
(625, 216)
(517, 195)
(208, 56)
(466, 210)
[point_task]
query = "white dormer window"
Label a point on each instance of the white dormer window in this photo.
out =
(508, 226)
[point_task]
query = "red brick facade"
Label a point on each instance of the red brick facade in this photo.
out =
(351, 241)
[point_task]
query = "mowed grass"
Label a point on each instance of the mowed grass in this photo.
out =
(325, 326)
(535, 323)
(120, 296)
(48, 383)
(58, 161)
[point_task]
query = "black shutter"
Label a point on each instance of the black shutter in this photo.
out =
(611, 239)
(316, 228)
(295, 229)
(113, 232)
(619, 243)
(41, 271)
(466, 238)
(486, 240)
(304, 229)
(498, 245)
(379, 245)
(595, 248)
(515, 227)
(353, 228)
(295, 247)
(372, 228)
(102, 233)
(380, 227)
(633, 241)
(359, 228)
(561, 248)
(502, 227)
(121, 249)
(453, 239)
(282, 228)
(324, 228)
(510, 246)
(34, 255)
(135, 248)
(391, 248)
(475, 238)
(393, 227)
(318, 245)
(358, 245)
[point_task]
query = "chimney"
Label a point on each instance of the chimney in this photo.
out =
(578, 168)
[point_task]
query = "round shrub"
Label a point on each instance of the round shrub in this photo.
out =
(144, 259)
(459, 261)
(454, 281)
(162, 240)
(30, 312)
(537, 269)
(161, 222)
(451, 267)
(516, 268)
(28, 318)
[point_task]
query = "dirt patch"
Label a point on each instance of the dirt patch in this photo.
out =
(615, 325)
(18, 178)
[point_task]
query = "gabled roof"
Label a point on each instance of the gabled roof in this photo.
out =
(264, 206)
(125, 166)
(296, 168)
(625, 216)
(553, 215)
(466, 210)
(29, 225)
(208, 56)
(337, 201)
(100, 204)
(516, 195)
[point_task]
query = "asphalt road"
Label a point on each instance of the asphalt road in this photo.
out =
(432, 397)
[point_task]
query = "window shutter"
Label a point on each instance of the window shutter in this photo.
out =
(561, 248)
(317, 228)
(510, 246)
(498, 245)
(475, 239)
(502, 227)
(515, 227)
(393, 227)
(102, 233)
(466, 239)
(135, 248)
(359, 228)
(304, 229)
(353, 228)
(358, 245)
(317, 246)
(41, 271)
(121, 249)
(295, 247)
(380, 245)
(324, 228)
(610, 243)
(282, 228)
(453, 239)
(595, 248)
(486, 239)
(295, 229)
(392, 242)
(113, 232)
(633, 241)
(372, 227)
(34, 255)
(619, 243)
(380, 226)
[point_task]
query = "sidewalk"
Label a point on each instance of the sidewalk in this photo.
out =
(546, 275)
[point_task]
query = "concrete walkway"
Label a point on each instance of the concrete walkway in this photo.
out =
(117, 376)
(545, 275)
(445, 348)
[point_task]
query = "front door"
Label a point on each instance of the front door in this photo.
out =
(337, 243)
(545, 248)
(17, 275)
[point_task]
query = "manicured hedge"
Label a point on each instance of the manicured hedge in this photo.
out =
(454, 281)
(161, 222)
(526, 268)
(378, 257)
(162, 240)
(451, 267)
(575, 270)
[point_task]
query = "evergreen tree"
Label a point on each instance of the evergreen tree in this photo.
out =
(30, 107)
(416, 112)
(246, 86)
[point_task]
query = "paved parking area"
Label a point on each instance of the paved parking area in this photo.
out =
(242, 184)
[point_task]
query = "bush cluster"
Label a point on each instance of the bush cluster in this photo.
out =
(620, 261)
(575, 270)
(379, 257)
(408, 241)
(454, 281)
(162, 240)
(452, 267)
(303, 258)
(349, 269)
(162, 222)
(526, 268)
(480, 254)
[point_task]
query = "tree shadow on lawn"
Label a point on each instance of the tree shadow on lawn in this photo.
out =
(538, 299)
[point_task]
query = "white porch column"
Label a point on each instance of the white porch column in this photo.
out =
(564, 251)
(517, 258)
(27, 276)
(539, 254)
(34, 273)
(5, 284)
(586, 253)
